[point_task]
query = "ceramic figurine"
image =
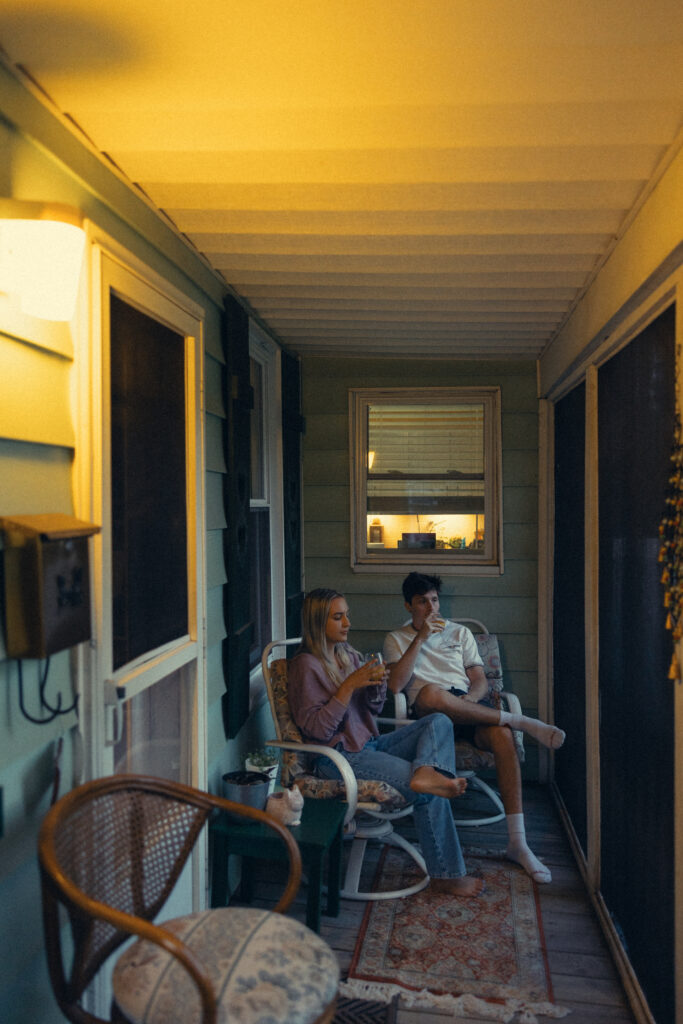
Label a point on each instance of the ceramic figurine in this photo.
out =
(286, 806)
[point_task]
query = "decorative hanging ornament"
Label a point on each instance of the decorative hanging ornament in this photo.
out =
(671, 548)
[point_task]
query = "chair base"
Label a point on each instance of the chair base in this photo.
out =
(378, 831)
(491, 819)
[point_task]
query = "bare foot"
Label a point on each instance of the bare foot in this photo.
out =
(468, 885)
(429, 780)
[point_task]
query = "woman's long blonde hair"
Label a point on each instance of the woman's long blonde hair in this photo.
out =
(314, 615)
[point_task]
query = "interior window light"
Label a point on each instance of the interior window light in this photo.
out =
(425, 478)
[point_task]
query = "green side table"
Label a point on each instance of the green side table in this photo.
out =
(319, 834)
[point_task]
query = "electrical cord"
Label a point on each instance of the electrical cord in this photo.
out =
(54, 711)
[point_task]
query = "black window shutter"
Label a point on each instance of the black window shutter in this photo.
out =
(236, 437)
(292, 429)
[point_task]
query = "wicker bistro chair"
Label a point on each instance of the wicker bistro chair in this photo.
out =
(110, 852)
(470, 759)
(372, 805)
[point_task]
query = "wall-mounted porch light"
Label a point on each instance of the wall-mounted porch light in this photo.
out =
(41, 252)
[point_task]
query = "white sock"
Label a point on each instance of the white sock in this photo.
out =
(518, 850)
(548, 735)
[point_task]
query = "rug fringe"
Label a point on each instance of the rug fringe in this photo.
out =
(460, 1006)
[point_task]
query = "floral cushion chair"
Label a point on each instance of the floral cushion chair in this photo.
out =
(469, 759)
(372, 804)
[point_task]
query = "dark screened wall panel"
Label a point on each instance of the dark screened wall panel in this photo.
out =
(148, 474)
(635, 428)
(569, 664)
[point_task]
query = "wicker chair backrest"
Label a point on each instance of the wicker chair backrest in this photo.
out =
(122, 846)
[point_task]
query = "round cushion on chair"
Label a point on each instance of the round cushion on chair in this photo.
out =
(263, 967)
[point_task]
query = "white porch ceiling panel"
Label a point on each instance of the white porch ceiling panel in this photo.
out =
(439, 178)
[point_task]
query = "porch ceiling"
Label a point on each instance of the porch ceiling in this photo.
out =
(396, 177)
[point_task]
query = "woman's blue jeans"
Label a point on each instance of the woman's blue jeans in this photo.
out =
(394, 757)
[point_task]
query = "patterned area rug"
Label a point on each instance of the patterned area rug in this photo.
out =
(482, 954)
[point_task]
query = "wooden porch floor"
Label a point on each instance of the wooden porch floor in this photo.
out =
(583, 975)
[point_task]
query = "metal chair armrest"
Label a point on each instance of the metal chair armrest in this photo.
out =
(400, 705)
(512, 701)
(338, 759)
(400, 716)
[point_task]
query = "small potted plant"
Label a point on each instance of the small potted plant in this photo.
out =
(265, 760)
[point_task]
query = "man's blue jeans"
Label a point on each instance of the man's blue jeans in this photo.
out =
(394, 757)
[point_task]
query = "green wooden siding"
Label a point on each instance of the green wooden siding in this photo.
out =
(37, 438)
(508, 603)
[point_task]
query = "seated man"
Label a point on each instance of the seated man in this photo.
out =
(439, 666)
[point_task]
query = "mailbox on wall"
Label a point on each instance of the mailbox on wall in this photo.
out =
(47, 583)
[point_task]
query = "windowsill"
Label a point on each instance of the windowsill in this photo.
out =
(443, 567)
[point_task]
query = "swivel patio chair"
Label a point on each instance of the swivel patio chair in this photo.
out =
(372, 805)
(110, 852)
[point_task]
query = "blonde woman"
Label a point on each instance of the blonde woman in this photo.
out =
(334, 698)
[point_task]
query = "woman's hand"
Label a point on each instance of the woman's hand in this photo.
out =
(371, 673)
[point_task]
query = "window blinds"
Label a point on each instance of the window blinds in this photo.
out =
(426, 455)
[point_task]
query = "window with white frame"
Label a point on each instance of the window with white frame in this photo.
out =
(425, 478)
(139, 472)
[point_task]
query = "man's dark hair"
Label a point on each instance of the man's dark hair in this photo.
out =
(419, 583)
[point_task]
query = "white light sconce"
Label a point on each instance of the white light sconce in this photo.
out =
(41, 253)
